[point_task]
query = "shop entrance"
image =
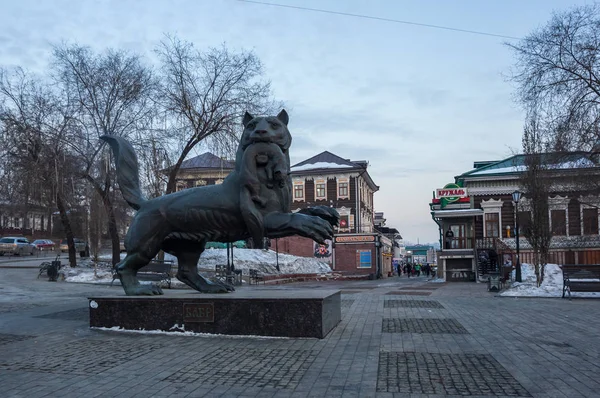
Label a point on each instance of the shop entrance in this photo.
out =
(459, 270)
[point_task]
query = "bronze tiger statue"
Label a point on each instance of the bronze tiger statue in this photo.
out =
(253, 201)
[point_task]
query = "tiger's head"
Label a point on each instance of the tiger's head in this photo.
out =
(269, 129)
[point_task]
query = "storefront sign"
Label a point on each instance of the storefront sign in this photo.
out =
(451, 192)
(360, 238)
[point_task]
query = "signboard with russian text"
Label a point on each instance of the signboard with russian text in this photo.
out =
(354, 238)
(451, 192)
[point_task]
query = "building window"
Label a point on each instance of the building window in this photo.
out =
(298, 191)
(524, 223)
(590, 221)
(559, 222)
(363, 258)
(343, 189)
(320, 191)
(492, 225)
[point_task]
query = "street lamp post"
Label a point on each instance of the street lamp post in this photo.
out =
(516, 197)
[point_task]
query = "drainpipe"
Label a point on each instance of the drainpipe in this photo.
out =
(378, 257)
(440, 229)
(357, 208)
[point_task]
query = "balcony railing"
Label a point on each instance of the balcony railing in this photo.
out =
(458, 243)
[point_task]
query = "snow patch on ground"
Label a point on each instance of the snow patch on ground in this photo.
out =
(244, 259)
(178, 330)
(552, 284)
(263, 261)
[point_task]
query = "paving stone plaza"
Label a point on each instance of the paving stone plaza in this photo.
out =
(398, 338)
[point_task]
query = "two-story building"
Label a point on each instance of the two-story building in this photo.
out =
(477, 216)
(330, 180)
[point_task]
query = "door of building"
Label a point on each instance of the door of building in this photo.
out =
(459, 241)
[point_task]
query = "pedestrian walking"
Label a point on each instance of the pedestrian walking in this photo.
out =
(408, 269)
(426, 269)
(418, 269)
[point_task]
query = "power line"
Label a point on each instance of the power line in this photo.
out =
(347, 14)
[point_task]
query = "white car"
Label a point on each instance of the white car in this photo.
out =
(16, 245)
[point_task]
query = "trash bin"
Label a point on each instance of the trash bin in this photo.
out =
(494, 283)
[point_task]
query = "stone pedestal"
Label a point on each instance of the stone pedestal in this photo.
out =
(286, 313)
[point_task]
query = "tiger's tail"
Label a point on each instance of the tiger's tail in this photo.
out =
(127, 170)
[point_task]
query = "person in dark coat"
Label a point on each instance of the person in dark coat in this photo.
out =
(408, 269)
(449, 238)
(426, 269)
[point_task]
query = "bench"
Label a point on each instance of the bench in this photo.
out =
(232, 278)
(256, 277)
(580, 278)
(156, 270)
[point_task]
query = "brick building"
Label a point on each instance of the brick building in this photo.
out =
(330, 180)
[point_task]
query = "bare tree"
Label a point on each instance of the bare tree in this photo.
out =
(557, 74)
(113, 91)
(34, 123)
(536, 184)
(205, 93)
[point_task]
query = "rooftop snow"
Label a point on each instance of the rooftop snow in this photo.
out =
(320, 165)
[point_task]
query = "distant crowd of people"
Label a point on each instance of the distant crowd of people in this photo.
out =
(414, 269)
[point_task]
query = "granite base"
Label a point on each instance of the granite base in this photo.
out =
(284, 313)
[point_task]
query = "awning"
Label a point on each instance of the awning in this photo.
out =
(458, 213)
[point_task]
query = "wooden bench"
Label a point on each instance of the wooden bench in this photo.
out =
(580, 278)
(156, 270)
(256, 277)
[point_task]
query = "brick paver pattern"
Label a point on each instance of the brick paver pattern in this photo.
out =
(460, 341)
(409, 293)
(418, 325)
(82, 357)
(12, 338)
(412, 304)
(247, 367)
(455, 374)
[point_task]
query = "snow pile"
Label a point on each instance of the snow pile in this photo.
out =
(263, 261)
(552, 284)
(244, 259)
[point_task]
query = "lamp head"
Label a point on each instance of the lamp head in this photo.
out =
(516, 196)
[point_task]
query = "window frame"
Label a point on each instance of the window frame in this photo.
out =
(324, 189)
(299, 188)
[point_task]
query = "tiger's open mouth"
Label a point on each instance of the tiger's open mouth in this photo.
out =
(267, 140)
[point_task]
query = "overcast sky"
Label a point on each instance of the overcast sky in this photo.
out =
(420, 104)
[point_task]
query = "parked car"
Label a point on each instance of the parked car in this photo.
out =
(43, 244)
(16, 245)
(80, 246)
